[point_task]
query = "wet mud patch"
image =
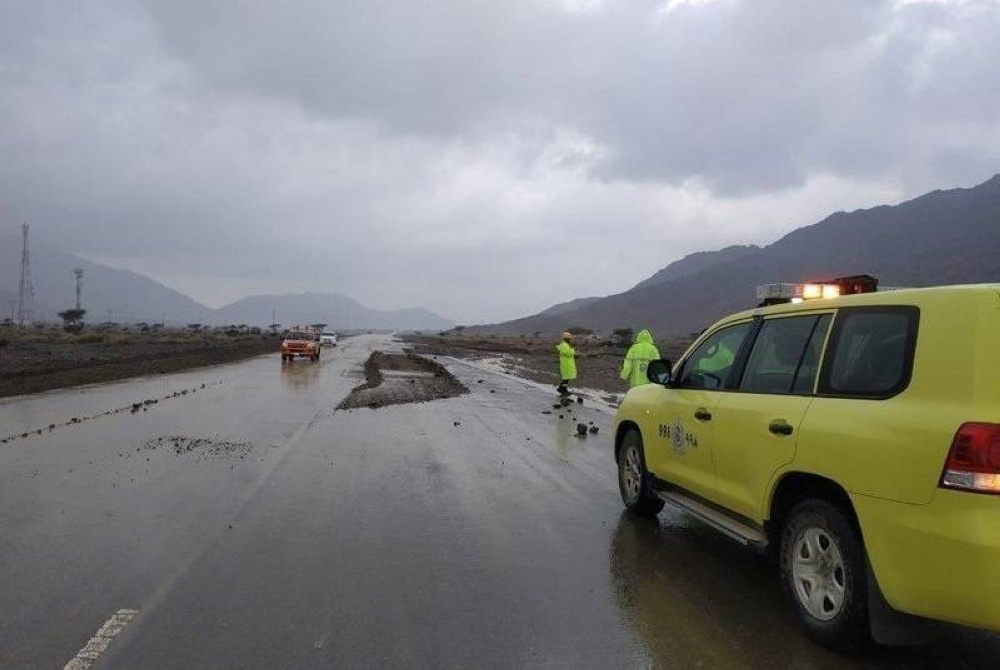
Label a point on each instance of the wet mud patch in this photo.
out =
(394, 379)
(200, 446)
(134, 408)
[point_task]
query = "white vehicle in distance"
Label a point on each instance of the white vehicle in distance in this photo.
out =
(328, 338)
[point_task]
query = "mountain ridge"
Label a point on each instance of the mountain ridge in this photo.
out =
(124, 295)
(941, 237)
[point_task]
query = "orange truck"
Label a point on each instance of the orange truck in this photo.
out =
(302, 343)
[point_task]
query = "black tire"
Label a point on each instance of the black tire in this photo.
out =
(633, 480)
(832, 604)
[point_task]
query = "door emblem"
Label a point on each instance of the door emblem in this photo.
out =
(681, 439)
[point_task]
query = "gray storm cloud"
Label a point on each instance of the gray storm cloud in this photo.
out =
(480, 159)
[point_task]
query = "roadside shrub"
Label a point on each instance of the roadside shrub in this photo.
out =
(232, 332)
(90, 338)
(624, 335)
(3, 342)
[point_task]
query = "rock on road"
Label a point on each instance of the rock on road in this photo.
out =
(237, 520)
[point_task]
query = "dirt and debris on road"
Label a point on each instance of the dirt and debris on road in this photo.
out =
(393, 379)
(134, 408)
(33, 361)
(204, 447)
(598, 361)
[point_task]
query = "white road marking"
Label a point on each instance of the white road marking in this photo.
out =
(102, 638)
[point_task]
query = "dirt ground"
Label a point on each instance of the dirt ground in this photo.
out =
(32, 361)
(598, 361)
(392, 379)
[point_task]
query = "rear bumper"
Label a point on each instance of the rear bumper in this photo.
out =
(940, 560)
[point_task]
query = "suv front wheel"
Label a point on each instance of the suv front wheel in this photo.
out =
(823, 571)
(633, 482)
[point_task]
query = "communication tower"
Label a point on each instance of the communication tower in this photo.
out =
(25, 291)
(79, 285)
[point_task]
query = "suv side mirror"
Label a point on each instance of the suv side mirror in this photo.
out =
(659, 371)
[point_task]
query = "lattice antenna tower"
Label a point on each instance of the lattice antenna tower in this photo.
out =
(79, 285)
(25, 291)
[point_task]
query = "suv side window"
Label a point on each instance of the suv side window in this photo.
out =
(805, 378)
(709, 365)
(784, 356)
(871, 352)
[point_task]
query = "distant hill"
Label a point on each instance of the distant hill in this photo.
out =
(135, 297)
(128, 295)
(943, 237)
(697, 262)
(569, 306)
(337, 310)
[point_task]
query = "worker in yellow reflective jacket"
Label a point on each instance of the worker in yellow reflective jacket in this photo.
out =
(638, 358)
(567, 362)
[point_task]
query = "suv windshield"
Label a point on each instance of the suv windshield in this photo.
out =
(709, 365)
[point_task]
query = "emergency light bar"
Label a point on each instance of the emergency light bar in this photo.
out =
(779, 291)
(772, 294)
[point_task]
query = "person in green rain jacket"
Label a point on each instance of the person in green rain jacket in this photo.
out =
(638, 358)
(567, 362)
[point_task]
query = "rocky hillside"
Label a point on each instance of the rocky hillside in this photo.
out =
(942, 237)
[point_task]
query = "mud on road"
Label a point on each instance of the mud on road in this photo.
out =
(202, 446)
(599, 362)
(393, 379)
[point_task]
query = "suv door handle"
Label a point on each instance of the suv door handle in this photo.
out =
(780, 427)
(702, 414)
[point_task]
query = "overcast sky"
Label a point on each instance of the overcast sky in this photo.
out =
(482, 159)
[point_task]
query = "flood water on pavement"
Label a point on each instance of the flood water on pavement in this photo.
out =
(472, 531)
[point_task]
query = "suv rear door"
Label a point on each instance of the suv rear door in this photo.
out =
(757, 423)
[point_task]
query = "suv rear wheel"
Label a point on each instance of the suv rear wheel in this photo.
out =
(823, 572)
(633, 482)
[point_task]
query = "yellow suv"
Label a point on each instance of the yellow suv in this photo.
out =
(857, 437)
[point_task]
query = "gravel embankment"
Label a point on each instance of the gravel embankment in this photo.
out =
(34, 362)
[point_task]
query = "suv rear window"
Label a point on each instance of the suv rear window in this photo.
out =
(785, 355)
(870, 352)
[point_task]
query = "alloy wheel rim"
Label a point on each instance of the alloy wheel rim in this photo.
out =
(819, 575)
(631, 474)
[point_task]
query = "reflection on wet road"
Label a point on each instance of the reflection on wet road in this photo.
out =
(473, 531)
(300, 375)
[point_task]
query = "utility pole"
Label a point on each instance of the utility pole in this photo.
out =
(25, 291)
(79, 285)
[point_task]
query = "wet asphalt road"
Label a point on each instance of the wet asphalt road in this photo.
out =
(297, 536)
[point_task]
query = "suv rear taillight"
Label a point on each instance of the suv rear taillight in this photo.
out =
(974, 460)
